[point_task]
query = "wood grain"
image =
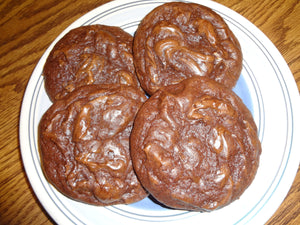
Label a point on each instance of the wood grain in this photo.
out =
(27, 28)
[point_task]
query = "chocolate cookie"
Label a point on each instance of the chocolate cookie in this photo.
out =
(178, 40)
(194, 145)
(84, 144)
(95, 54)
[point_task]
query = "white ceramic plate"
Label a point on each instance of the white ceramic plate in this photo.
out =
(266, 86)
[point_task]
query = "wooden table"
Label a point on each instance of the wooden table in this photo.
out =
(28, 27)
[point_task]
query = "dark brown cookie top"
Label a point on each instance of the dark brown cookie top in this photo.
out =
(94, 54)
(194, 145)
(84, 144)
(178, 40)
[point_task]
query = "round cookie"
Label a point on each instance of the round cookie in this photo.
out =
(84, 144)
(194, 145)
(178, 40)
(94, 54)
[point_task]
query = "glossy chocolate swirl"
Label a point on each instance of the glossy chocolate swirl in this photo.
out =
(84, 144)
(95, 54)
(179, 40)
(194, 145)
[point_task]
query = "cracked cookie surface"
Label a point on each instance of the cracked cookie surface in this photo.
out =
(178, 40)
(84, 144)
(194, 145)
(94, 54)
